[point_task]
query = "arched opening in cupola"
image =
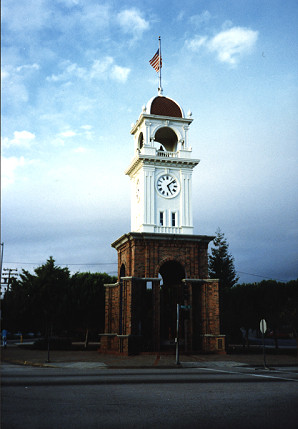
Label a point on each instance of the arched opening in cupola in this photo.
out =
(141, 141)
(167, 137)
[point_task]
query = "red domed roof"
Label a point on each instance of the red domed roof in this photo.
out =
(165, 107)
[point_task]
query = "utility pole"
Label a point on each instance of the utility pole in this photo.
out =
(8, 274)
(1, 263)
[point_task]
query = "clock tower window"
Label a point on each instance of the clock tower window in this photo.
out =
(174, 219)
(161, 218)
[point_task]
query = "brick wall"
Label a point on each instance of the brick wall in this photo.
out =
(141, 255)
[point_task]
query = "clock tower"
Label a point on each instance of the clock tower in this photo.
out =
(161, 262)
(161, 170)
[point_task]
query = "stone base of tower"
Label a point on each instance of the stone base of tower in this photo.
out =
(155, 273)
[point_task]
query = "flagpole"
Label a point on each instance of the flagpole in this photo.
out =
(160, 88)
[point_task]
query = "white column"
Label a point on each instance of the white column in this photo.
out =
(186, 198)
(147, 133)
(186, 128)
(149, 195)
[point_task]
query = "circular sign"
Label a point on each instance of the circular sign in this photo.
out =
(263, 326)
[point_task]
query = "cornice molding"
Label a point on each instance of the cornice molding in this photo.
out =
(158, 118)
(141, 160)
(137, 236)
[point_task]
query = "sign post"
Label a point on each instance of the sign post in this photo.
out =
(263, 329)
(177, 337)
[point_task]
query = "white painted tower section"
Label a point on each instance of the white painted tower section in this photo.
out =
(161, 170)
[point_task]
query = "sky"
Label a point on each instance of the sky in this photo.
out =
(75, 75)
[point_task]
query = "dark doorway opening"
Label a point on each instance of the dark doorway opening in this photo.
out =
(171, 294)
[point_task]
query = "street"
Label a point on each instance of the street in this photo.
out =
(217, 395)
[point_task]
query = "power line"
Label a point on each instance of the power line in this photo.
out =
(116, 263)
(37, 263)
(258, 275)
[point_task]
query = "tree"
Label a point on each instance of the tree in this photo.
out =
(53, 302)
(276, 302)
(221, 266)
(37, 301)
(221, 263)
(87, 301)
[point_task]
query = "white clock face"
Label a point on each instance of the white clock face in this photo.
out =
(167, 186)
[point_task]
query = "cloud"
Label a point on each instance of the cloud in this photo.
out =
(196, 43)
(69, 3)
(120, 73)
(35, 15)
(80, 149)
(8, 167)
(100, 69)
(21, 139)
(202, 18)
(71, 70)
(132, 22)
(16, 83)
(68, 133)
(28, 67)
(180, 16)
(229, 45)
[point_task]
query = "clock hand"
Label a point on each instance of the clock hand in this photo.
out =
(169, 188)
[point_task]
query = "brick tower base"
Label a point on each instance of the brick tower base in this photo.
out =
(155, 273)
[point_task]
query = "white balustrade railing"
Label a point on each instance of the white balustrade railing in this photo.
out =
(167, 230)
(166, 154)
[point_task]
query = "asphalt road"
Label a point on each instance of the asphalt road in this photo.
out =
(217, 395)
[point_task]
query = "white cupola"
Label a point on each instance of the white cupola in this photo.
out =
(161, 169)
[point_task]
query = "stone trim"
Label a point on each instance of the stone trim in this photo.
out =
(200, 280)
(146, 279)
(153, 160)
(130, 236)
(108, 335)
(213, 335)
(151, 117)
(111, 285)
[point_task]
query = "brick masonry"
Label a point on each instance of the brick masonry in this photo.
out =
(140, 258)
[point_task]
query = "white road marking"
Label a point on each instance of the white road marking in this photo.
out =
(252, 375)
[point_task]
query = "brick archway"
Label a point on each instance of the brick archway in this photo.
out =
(183, 262)
(171, 294)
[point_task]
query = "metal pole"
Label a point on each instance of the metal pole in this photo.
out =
(160, 88)
(1, 261)
(263, 336)
(177, 337)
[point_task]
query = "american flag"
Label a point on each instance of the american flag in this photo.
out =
(155, 61)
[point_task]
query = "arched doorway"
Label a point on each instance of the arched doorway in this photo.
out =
(171, 294)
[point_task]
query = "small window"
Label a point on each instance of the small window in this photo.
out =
(173, 218)
(141, 140)
(161, 218)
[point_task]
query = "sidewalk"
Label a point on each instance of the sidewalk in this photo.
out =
(93, 359)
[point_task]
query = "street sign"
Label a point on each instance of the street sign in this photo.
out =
(263, 326)
(185, 307)
(263, 329)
